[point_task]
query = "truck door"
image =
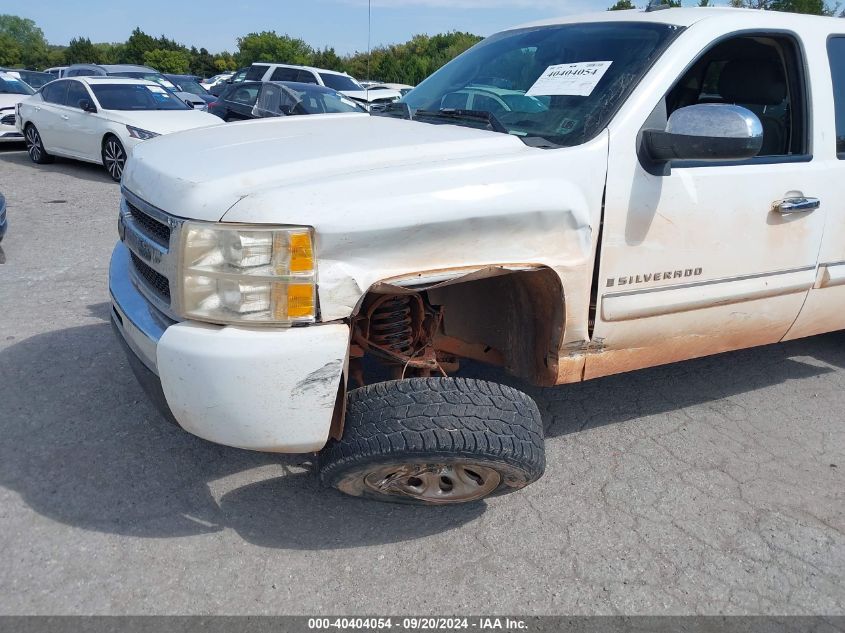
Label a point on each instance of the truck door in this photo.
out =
(823, 310)
(712, 257)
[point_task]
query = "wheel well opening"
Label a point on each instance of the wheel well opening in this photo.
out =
(511, 319)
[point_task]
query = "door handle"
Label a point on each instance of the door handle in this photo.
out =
(65, 117)
(796, 205)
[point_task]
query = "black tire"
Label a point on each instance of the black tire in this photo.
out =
(423, 440)
(114, 157)
(35, 147)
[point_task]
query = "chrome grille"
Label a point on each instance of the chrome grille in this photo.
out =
(152, 236)
(154, 229)
(156, 280)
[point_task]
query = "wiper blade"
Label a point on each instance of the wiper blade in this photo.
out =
(455, 114)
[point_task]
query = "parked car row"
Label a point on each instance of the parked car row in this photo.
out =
(377, 97)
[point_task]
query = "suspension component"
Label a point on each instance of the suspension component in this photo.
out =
(392, 325)
(398, 329)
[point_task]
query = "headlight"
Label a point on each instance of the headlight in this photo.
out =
(144, 135)
(249, 275)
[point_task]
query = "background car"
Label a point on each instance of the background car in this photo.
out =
(134, 72)
(257, 99)
(189, 83)
(402, 89)
(56, 71)
(100, 119)
(12, 92)
(333, 79)
(211, 82)
(34, 78)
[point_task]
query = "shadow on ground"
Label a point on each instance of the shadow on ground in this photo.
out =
(83, 447)
(16, 154)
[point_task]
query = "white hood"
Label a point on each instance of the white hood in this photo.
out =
(163, 121)
(9, 100)
(201, 174)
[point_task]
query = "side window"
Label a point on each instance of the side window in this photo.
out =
(760, 73)
(305, 77)
(836, 54)
(76, 92)
(245, 95)
(284, 74)
(55, 92)
(256, 72)
(268, 100)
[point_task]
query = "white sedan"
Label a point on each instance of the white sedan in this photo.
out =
(12, 92)
(100, 119)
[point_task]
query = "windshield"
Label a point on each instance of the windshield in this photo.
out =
(559, 84)
(36, 80)
(159, 79)
(189, 85)
(339, 82)
(136, 97)
(322, 102)
(293, 98)
(10, 85)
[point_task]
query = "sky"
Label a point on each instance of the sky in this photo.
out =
(216, 24)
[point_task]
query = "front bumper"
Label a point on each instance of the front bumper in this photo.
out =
(261, 389)
(10, 134)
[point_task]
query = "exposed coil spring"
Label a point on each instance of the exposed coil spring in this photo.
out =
(391, 325)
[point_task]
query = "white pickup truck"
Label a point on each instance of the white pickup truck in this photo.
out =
(568, 199)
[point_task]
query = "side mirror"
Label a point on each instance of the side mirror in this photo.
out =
(87, 106)
(707, 131)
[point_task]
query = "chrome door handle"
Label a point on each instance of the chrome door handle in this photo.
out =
(796, 205)
(65, 117)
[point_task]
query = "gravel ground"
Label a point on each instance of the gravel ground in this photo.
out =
(712, 486)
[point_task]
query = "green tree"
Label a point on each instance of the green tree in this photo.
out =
(704, 3)
(164, 61)
(622, 5)
(81, 51)
(29, 38)
(327, 58)
(109, 53)
(224, 62)
(10, 51)
(267, 46)
(136, 46)
(202, 63)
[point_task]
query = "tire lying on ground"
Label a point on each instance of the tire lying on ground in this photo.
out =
(435, 441)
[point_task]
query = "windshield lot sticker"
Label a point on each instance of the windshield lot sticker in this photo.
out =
(157, 89)
(576, 80)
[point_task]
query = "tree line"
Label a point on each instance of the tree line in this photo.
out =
(22, 44)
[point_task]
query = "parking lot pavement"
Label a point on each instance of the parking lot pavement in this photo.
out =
(713, 486)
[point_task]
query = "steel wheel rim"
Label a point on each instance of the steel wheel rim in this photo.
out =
(434, 483)
(115, 159)
(34, 143)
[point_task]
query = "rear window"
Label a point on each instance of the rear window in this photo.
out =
(256, 72)
(136, 97)
(339, 82)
